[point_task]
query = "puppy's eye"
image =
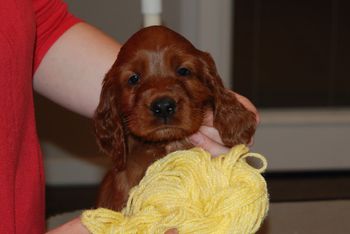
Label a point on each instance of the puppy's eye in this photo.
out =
(182, 71)
(134, 79)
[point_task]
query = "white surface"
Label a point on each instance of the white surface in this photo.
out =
(151, 10)
(304, 139)
(151, 6)
(151, 19)
(208, 25)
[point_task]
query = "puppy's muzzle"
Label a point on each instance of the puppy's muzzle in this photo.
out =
(163, 108)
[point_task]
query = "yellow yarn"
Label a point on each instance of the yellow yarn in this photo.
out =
(193, 192)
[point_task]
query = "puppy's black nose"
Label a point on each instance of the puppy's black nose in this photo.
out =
(163, 107)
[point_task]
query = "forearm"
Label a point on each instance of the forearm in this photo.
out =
(72, 227)
(72, 71)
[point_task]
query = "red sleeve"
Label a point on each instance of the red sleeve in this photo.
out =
(52, 20)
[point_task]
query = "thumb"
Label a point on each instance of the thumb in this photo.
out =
(172, 231)
(214, 148)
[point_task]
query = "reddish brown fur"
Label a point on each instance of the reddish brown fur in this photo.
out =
(132, 135)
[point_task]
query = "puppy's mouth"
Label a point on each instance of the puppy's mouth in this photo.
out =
(167, 133)
(166, 119)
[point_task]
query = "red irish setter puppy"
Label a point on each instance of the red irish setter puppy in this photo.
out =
(155, 95)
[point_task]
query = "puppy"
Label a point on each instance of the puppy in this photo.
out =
(156, 95)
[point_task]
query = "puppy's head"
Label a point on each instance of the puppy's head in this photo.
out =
(159, 89)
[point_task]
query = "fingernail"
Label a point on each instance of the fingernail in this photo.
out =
(196, 139)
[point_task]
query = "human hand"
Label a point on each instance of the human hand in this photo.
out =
(209, 138)
(172, 231)
(74, 226)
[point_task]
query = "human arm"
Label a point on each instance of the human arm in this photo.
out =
(71, 74)
(72, 70)
(75, 226)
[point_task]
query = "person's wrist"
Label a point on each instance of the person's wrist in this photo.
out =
(214, 148)
(74, 226)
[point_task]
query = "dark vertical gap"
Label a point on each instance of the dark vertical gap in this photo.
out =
(256, 51)
(342, 81)
(333, 52)
(242, 48)
(232, 69)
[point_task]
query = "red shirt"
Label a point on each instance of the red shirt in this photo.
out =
(27, 30)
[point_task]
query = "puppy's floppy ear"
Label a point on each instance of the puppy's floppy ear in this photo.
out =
(234, 122)
(109, 128)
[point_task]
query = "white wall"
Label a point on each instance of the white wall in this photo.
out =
(208, 24)
(294, 140)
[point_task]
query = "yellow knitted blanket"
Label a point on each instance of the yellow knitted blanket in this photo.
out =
(193, 192)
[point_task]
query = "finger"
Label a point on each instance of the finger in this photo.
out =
(251, 142)
(200, 140)
(212, 133)
(172, 231)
